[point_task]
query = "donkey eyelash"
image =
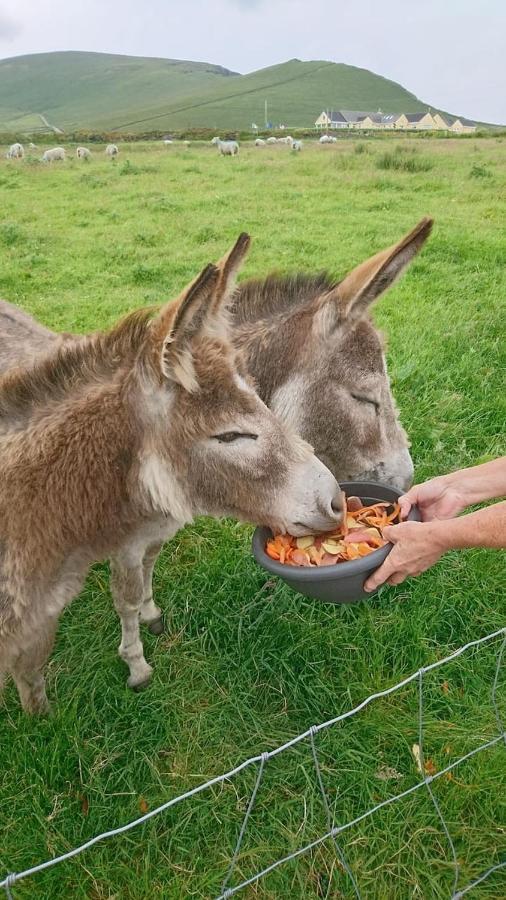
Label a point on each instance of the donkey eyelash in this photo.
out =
(362, 399)
(228, 437)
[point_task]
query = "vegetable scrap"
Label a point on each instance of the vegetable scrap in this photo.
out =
(358, 535)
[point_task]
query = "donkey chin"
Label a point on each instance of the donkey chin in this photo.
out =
(397, 471)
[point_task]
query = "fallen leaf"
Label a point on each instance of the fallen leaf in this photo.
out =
(388, 773)
(85, 806)
(445, 687)
(430, 767)
(416, 753)
(143, 806)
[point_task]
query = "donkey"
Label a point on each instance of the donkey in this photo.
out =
(110, 444)
(318, 362)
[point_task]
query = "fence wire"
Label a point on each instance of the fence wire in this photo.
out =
(332, 830)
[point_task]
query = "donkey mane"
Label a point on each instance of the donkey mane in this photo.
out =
(263, 298)
(74, 363)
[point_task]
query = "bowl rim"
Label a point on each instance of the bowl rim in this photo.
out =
(328, 573)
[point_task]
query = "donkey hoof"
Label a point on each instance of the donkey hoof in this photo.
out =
(141, 686)
(157, 626)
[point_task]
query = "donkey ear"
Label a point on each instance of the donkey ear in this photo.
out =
(350, 299)
(228, 268)
(176, 324)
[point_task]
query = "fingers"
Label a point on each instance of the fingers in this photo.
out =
(405, 505)
(381, 575)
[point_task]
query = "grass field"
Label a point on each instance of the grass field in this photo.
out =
(245, 664)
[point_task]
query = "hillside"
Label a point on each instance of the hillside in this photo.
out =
(74, 90)
(295, 91)
(87, 90)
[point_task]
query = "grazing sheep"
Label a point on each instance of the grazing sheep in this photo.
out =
(32, 146)
(259, 142)
(272, 140)
(285, 140)
(297, 146)
(111, 150)
(167, 141)
(83, 153)
(16, 151)
(52, 155)
(226, 148)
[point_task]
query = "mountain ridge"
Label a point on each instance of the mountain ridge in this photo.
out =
(81, 90)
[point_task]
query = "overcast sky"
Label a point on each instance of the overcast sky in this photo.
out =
(450, 53)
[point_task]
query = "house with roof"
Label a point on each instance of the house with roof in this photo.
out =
(463, 126)
(417, 121)
(371, 120)
(443, 123)
(331, 119)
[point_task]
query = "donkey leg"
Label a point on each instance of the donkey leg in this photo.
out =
(28, 668)
(150, 613)
(127, 588)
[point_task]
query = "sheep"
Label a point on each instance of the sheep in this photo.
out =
(167, 141)
(83, 153)
(272, 140)
(32, 146)
(297, 146)
(259, 142)
(52, 155)
(111, 150)
(16, 151)
(226, 148)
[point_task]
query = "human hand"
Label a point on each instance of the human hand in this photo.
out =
(417, 546)
(438, 498)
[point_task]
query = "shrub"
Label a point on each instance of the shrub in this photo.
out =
(478, 171)
(397, 160)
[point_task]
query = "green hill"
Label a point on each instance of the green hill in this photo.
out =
(74, 90)
(89, 90)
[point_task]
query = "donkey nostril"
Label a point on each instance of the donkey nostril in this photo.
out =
(337, 503)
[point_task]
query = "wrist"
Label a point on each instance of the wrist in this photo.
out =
(441, 534)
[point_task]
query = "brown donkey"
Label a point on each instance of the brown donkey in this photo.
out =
(318, 362)
(108, 445)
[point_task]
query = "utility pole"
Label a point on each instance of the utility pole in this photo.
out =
(265, 114)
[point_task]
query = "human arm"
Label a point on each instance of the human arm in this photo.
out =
(447, 495)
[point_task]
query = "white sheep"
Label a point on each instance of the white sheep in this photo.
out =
(272, 140)
(325, 139)
(297, 146)
(226, 148)
(167, 141)
(83, 153)
(111, 150)
(56, 153)
(259, 142)
(16, 151)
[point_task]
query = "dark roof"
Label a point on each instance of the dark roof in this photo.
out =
(416, 117)
(336, 116)
(465, 121)
(354, 115)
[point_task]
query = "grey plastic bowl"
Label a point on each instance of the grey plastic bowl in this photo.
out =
(344, 582)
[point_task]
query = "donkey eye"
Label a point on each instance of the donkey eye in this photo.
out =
(228, 437)
(362, 399)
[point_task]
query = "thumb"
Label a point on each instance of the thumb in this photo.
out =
(390, 533)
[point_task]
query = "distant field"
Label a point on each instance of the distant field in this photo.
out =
(246, 664)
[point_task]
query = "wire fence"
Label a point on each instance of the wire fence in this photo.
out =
(333, 830)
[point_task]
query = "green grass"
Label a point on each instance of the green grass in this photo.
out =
(246, 664)
(99, 90)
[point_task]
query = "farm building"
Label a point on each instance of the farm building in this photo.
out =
(422, 121)
(330, 119)
(463, 126)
